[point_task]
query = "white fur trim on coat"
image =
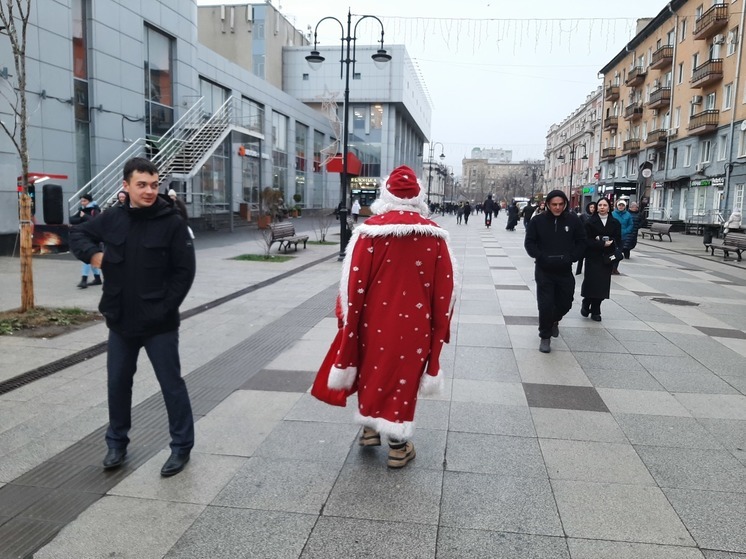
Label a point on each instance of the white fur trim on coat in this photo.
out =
(401, 230)
(341, 379)
(431, 385)
(397, 431)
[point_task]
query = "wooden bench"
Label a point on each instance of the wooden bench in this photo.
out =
(732, 242)
(657, 230)
(284, 234)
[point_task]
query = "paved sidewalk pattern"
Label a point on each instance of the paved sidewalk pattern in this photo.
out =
(627, 441)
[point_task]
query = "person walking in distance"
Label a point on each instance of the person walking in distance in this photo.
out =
(603, 238)
(554, 239)
(88, 210)
(394, 309)
(625, 219)
(355, 210)
(489, 208)
(467, 212)
(149, 264)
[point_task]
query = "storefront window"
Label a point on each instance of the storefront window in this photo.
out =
(280, 152)
(159, 112)
(301, 160)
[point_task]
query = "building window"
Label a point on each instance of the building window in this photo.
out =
(305, 77)
(727, 96)
(722, 146)
(257, 65)
(677, 117)
(674, 158)
(704, 152)
(682, 34)
(159, 112)
(680, 73)
(710, 101)
(252, 115)
(301, 159)
(695, 62)
(80, 89)
(742, 143)
(738, 199)
(280, 152)
(687, 156)
(699, 201)
(213, 96)
(661, 161)
(732, 40)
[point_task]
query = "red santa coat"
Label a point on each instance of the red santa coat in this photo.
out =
(396, 299)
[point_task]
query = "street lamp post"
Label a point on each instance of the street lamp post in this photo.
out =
(573, 148)
(430, 166)
(533, 176)
(346, 58)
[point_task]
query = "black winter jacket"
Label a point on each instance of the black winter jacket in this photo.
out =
(555, 242)
(148, 265)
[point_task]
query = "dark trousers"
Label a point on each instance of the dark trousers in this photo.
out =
(593, 305)
(121, 363)
(488, 218)
(554, 295)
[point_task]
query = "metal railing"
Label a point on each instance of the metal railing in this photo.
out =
(108, 181)
(712, 19)
(710, 69)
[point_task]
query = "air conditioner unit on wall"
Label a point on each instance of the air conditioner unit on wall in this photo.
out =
(699, 167)
(697, 100)
(718, 39)
(673, 132)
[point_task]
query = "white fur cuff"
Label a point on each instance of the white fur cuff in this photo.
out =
(431, 385)
(397, 431)
(341, 379)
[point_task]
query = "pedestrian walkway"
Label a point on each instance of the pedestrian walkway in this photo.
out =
(627, 441)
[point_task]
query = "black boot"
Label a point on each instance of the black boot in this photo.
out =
(83, 282)
(96, 280)
(585, 308)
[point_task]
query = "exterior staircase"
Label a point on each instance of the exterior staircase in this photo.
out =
(179, 153)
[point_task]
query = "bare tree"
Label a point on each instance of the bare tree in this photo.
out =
(14, 16)
(322, 222)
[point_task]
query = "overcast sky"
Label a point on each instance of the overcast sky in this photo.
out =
(498, 73)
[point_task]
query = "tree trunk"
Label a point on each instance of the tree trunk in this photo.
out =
(27, 275)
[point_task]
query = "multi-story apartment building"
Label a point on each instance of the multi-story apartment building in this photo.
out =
(504, 180)
(572, 153)
(674, 134)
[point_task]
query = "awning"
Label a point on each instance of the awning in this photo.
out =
(354, 166)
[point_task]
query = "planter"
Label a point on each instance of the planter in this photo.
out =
(264, 221)
(293, 213)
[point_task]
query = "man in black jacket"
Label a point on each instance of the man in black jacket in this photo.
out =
(149, 265)
(554, 239)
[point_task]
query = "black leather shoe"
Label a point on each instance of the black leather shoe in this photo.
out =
(545, 346)
(114, 458)
(174, 464)
(585, 309)
(596, 317)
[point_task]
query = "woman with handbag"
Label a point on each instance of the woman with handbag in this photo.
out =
(603, 249)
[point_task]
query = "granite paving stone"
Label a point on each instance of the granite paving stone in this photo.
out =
(499, 503)
(714, 406)
(144, 538)
(600, 549)
(479, 335)
(730, 433)
(716, 520)
(457, 543)
(432, 414)
(642, 402)
(492, 419)
(357, 539)
(659, 430)
(280, 485)
(308, 408)
(494, 454)
(227, 533)
(506, 393)
(631, 513)
(594, 461)
(627, 380)
(370, 492)
(699, 383)
(430, 446)
(579, 425)
(694, 468)
(486, 363)
(308, 440)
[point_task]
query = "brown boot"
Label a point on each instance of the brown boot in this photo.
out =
(400, 454)
(369, 437)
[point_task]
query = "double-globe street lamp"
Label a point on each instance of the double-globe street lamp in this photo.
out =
(573, 149)
(314, 61)
(430, 162)
(534, 174)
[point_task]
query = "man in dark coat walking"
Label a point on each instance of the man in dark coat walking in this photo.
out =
(149, 265)
(554, 239)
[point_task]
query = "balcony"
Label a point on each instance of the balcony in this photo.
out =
(656, 138)
(661, 97)
(662, 58)
(612, 93)
(611, 123)
(633, 111)
(631, 146)
(710, 22)
(707, 73)
(608, 153)
(704, 122)
(636, 76)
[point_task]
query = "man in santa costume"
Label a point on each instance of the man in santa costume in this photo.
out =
(395, 303)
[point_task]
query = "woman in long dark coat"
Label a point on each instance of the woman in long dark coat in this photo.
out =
(603, 235)
(512, 216)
